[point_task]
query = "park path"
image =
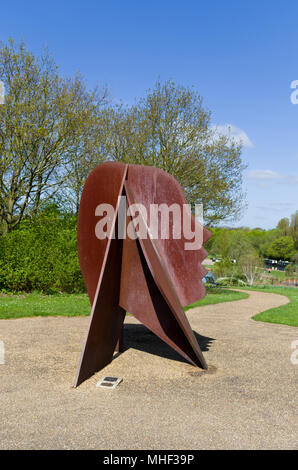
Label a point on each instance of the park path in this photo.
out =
(247, 398)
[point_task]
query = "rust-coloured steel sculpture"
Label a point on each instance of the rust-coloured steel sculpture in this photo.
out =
(152, 278)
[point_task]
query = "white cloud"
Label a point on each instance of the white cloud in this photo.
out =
(238, 135)
(270, 175)
(264, 175)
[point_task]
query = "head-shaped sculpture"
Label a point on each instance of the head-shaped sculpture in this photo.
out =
(140, 250)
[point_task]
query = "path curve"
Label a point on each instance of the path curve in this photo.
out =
(247, 398)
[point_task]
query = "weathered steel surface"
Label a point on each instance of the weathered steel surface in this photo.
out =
(151, 279)
(100, 262)
(154, 186)
(103, 185)
(106, 317)
(168, 321)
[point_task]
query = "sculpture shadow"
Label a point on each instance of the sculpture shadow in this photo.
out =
(141, 338)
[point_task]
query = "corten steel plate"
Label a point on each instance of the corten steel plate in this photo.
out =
(103, 185)
(151, 185)
(100, 262)
(151, 279)
(169, 322)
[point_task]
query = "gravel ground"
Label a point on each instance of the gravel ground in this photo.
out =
(246, 400)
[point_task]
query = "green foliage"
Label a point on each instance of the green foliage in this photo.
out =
(49, 131)
(41, 254)
(267, 240)
(224, 268)
(291, 270)
(294, 228)
(284, 226)
(285, 314)
(231, 244)
(281, 248)
(169, 128)
(54, 131)
(230, 281)
(249, 265)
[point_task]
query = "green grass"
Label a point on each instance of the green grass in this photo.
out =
(284, 315)
(281, 275)
(216, 295)
(36, 304)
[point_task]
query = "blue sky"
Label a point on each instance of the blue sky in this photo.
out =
(240, 56)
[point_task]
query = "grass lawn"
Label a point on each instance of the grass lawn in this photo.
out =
(216, 295)
(280, 275)
(286, 314)
(36, 304)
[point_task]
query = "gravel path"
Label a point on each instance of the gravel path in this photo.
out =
(247, 398)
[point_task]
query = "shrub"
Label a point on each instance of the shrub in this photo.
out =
(41, 254)
(224, 268)
(230, 281)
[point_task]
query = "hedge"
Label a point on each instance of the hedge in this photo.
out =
(41, 254)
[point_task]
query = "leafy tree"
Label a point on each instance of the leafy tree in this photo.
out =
(88, 144)
(284, 226)
(212, 245)
(229, 244)
(250, 264)
(239, 243)
(224, 268)
(224, 247)
(257, 238)
(170, 129)
(42, 126)
(281, 248)
(266, 241)
(294, 228)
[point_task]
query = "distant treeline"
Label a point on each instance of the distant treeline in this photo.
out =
(280, 243)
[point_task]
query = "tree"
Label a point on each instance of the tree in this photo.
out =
(224, 268)
(284, 226)
(249, 265)
(42, 125)
(170, 129)
(239, 243)
(281, 248)
(265, 242)
(224, 247)
(294, 228)
(87, 144)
